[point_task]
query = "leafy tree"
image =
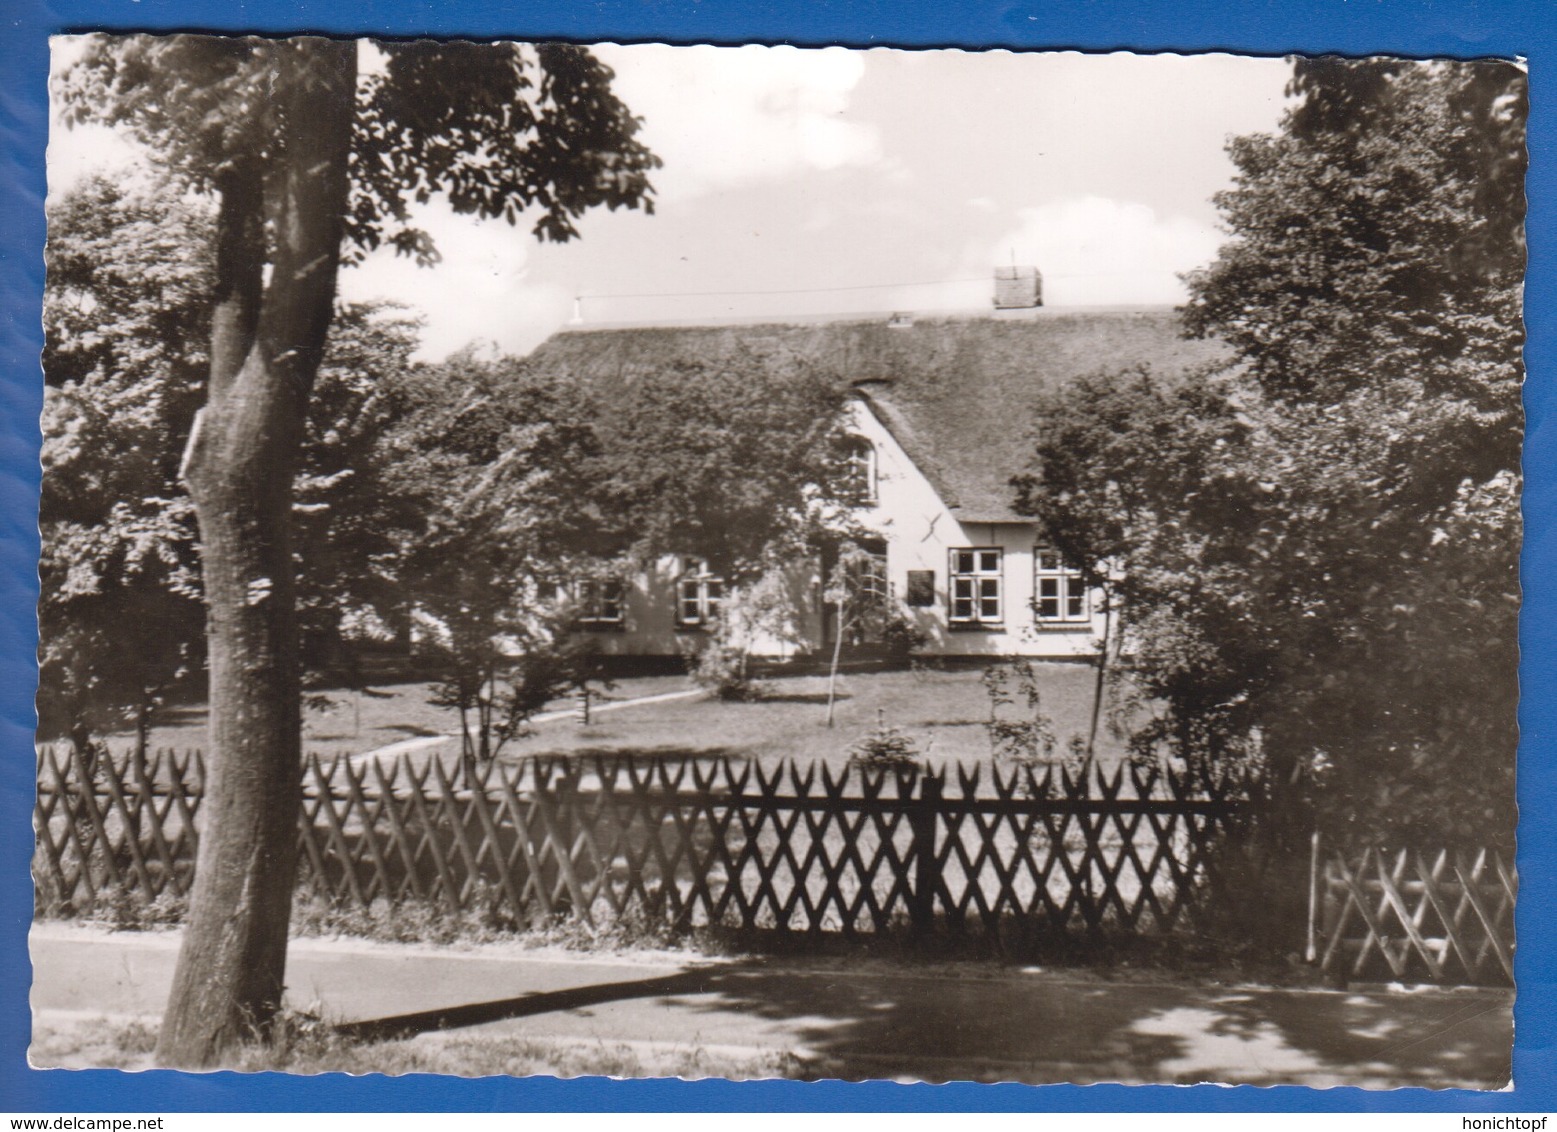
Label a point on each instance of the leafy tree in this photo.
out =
(855, 589)
(501, 469)
(127, 329)
(1318, 546)
(1379, 248)
(124, 358)
(1143, 486)
(1386, 335)
(302, 154)
(712, 463)
(528, 484)
(351, 521)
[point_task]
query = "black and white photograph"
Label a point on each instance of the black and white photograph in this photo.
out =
(760, 562)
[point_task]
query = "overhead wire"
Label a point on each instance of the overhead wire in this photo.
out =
(823, 290)
(785, 291)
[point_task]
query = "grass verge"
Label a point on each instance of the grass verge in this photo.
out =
(944, 711)
(305, 1044)
(1203, 957)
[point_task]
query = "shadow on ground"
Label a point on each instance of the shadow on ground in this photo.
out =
(1034, 1027)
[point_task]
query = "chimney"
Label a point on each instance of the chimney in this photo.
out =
(1018, 288)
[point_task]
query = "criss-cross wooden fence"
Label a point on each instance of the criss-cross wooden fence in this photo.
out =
(689, 841)
(1443, 917)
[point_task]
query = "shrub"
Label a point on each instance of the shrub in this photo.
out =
(485, 917)
(1029, 739)
(724, 671)
(886, 747)
(128, 911)
(901, 638)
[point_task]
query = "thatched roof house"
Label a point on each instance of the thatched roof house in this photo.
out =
(945, 409)
(957, 393)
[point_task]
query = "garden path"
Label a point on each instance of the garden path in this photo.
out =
(406, 746)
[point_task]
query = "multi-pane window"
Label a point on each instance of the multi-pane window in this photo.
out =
(1059, 594)
(859, 470)
(699, 596)
(975, 586)
(599, 602)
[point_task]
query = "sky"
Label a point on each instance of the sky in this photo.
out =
(804, 182)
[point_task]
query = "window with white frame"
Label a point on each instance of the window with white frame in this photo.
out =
(699, 596)
(1059, 594)
(859, 470)
(599, 602)
(976, 597)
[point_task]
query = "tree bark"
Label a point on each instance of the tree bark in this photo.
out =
(832, 672)
(1100, 684)
(239, 467)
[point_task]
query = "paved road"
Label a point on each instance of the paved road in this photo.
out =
(851, 1020)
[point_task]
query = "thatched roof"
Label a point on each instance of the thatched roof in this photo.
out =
(957, 393)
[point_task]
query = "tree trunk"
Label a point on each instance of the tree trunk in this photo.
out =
(142, 728)
(467, 748)
(832, 672)
(485, 702)
(239, 466)
(1100, 684)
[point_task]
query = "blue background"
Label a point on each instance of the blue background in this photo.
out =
(1462, 28)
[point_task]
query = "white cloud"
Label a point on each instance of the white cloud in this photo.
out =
(1093, 250)
(76, 152)
(481, 290)
(726, 116)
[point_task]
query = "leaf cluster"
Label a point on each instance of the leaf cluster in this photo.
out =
(496, 470)
(1313, 553)
(886, 747)
(1028, 738)
(495, 129)
(711, 463)
(126, 316)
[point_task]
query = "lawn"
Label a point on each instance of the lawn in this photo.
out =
(944, 712)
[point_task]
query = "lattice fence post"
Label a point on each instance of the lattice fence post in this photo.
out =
(567, 814)
(922, 817)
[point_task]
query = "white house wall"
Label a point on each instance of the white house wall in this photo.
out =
(649, 626)
(920, 532)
